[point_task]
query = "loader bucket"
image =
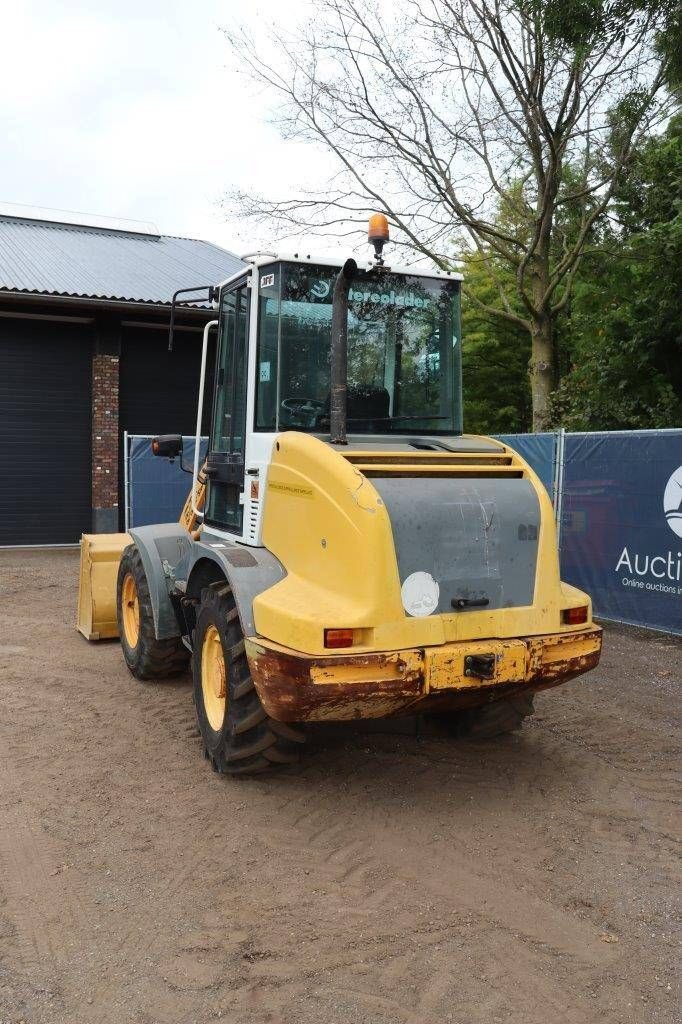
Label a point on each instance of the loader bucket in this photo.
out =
(100, 555)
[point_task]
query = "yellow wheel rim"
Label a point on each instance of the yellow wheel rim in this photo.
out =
(131, 611)
(213, 678)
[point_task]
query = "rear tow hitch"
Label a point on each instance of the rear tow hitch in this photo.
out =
(460, 603)
(481, 665)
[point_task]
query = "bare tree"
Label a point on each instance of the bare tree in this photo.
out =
(439, 111)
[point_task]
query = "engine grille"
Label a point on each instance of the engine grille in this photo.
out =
(436, 464)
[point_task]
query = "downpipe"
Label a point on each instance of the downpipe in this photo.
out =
(339, 353)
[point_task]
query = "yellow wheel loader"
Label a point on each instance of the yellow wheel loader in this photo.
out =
(358, 555)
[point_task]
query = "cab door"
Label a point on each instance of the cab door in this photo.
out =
(225, 460)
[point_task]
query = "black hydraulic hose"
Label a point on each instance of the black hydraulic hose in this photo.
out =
(339, 352)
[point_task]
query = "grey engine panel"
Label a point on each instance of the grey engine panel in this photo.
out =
(478, 538)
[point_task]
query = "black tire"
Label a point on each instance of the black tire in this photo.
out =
(247, 741)
(495, 719)
(148, 658)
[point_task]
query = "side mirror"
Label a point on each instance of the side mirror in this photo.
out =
(168, 446)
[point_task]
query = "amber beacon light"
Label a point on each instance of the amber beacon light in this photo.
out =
(378, 234)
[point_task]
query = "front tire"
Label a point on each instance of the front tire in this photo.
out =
(239, 737)
(145, 656)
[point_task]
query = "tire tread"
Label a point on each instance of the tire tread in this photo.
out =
(250, 742)
(152, 658)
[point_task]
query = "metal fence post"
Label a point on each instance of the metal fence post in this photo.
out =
(126, 499)
(555, 470)
(559, 501)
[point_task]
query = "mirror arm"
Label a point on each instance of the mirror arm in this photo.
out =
(212, 294)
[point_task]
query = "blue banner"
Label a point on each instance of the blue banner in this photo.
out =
(539, 451)
(621, 534)
(158, 488)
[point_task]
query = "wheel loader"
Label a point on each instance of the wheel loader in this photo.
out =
(358, 556)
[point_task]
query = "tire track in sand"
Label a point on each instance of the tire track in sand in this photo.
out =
(42, 900)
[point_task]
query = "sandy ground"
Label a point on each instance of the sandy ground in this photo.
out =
(391, 877)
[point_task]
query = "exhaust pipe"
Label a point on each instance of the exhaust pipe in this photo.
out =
(339, 352)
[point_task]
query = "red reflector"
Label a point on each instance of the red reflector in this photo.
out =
(574, 616)
(155, 447)
(338, 638)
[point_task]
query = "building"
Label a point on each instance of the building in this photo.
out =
(84, 314)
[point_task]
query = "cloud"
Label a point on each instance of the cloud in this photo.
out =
(129, 109)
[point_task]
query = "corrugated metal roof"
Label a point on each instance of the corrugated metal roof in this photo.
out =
(49, 258)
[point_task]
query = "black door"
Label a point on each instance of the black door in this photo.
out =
(45, 432)
(158, 389)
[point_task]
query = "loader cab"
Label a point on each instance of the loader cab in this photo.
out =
(403, 351)
(273, 369)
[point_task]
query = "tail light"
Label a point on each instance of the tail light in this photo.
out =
(574, 616)
(338, 638)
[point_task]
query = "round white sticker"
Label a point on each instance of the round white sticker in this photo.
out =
(672, 502)
(420, 594)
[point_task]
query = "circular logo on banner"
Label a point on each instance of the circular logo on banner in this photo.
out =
(420, 594)
(672, 502)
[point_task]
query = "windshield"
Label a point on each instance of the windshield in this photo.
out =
(404, 352)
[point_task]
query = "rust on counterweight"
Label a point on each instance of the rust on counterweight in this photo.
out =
(296, 687)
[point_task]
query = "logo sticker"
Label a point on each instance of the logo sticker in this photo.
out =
(267, 280)
(295, 492)
(672, 502)
(320, 290)
(420, 594)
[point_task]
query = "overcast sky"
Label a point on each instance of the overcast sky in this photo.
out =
(131, 108)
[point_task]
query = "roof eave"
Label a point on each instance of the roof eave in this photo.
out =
(110, 305)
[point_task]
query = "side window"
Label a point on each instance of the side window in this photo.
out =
(267, 358)
(229, 413)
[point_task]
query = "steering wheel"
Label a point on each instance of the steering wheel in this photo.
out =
(303, 411)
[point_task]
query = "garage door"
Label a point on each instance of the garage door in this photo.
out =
(45, 440)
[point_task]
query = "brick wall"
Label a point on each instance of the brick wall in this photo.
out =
(105, 443)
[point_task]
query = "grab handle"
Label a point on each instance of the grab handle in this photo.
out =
(200, 410)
